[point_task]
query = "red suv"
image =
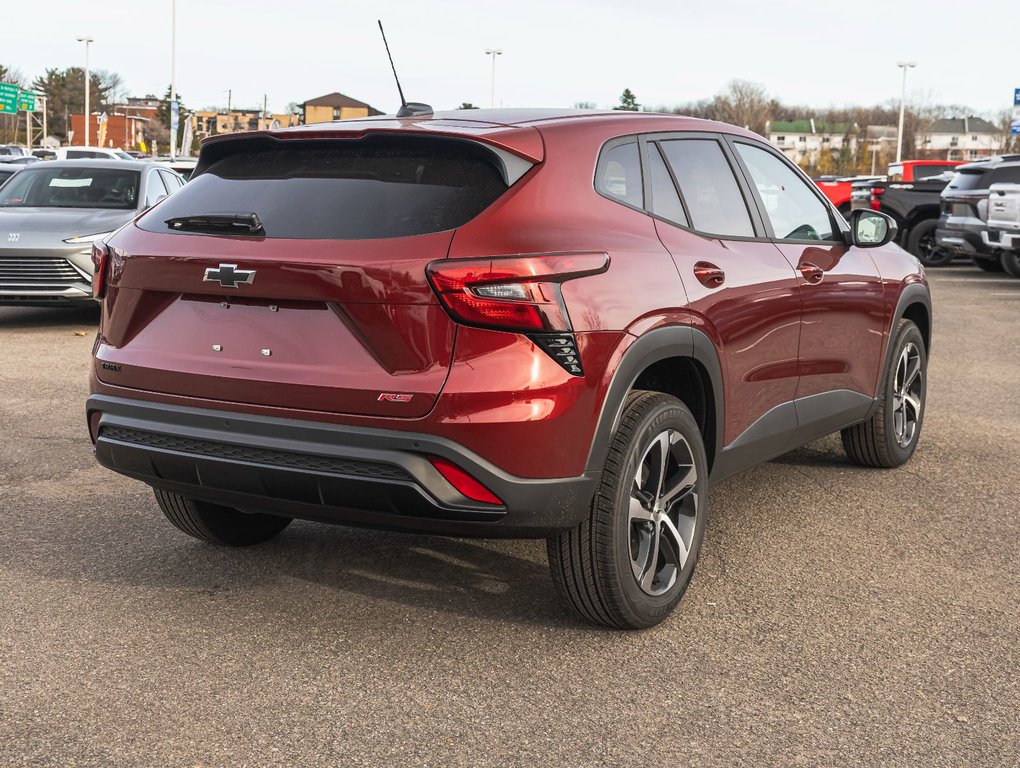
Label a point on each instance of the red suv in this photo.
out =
(505, 323)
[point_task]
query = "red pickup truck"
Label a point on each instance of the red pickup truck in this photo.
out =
(838, 189)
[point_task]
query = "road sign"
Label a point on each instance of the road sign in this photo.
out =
(26, 101)
(8, 97)
(1014, 124)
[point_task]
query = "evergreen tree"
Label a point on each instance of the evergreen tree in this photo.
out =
(628, 101)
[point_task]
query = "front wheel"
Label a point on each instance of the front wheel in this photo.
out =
(629, 563)
(921, 243)
(889, 437)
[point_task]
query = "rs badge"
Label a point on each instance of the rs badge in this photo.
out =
(393, 397)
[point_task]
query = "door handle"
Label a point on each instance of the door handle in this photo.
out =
(812, 272)
(709, 274)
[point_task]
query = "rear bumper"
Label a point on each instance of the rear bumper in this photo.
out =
(962, 237)
(1000, 238)
(325, 472)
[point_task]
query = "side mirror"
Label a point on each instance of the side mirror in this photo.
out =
(870, 229)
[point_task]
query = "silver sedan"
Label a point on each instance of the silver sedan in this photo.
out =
(51, 214)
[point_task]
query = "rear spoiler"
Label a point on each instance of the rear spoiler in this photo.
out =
(515, 149)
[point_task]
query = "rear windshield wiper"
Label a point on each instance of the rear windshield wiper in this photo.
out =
(233, 223)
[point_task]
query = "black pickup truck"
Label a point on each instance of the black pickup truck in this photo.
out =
(915, 205)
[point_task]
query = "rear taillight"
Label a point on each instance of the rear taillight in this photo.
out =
(876, 193)
(465, 484)
(516, 293)
(100, 263)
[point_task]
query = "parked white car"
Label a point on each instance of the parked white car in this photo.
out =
(91, 153)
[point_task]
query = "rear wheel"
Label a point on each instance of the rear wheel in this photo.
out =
(1011, 262)
(921, 243)
(629, 563)
(217, 524)
(889, 437)
(988, 265)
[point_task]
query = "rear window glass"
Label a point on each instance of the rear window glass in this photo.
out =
(967, 180)
(355, 190)
(72, 188)
(929, 171)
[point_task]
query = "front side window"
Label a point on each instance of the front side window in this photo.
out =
(72, 188)
(619, 174)
(709, 188)
(155, 190)
(795, 212)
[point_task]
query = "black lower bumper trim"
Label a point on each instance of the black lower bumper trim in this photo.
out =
(325, 472)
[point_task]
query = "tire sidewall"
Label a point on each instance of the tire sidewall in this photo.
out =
(649, 609)
(917, 233)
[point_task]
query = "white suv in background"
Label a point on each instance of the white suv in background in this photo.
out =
(91, 153)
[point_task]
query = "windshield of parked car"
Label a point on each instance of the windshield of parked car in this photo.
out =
(930, 171)
(71, 188)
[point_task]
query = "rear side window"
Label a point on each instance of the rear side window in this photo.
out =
(708, 186)
(665, 200)
(1009, 175)
(619, 174)
(372, 188)
(968, 180)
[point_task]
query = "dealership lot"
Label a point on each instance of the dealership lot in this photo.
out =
(839, 615)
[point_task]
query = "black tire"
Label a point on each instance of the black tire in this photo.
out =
(1010, 262)
(988, 265)
(878, 442)
(921, 243)
(217, 524)
(593, 565)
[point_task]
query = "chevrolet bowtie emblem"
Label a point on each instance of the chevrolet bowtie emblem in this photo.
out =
(229, 276)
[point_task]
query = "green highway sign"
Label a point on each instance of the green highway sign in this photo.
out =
(26, 101)
(8, 97)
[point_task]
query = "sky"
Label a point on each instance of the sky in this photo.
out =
(555, 52)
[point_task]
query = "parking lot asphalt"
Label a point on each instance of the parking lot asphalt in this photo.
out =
(839, 616)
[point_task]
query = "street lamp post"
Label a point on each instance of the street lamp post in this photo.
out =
(493, 52)
(173, 76)
(88, 77)
(905, 65)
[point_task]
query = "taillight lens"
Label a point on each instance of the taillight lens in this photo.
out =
(100, 262)
(465, 484)
(876, 193)
(515, 293)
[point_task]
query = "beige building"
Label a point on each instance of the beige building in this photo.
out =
(206, 122)
(335, 106)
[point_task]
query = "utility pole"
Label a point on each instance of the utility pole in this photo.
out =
(262, 117)
(230, 120)
(88, 41)
(44, 133)
(173, 77)
(493, 52)
(905, 65)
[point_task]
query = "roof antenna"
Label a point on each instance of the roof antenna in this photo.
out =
(407, 108)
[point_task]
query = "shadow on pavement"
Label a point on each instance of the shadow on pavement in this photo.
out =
(48, 317)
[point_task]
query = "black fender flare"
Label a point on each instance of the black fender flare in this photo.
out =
(646, 350)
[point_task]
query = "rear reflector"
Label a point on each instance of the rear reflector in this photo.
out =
(463, 482)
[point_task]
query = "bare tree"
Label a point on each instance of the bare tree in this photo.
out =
(745, 104)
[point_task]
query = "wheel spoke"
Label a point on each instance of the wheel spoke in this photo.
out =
(636, 511)
(679, 544)
(915, 404)
(913, 371)
(652, 563)
(662, 444)
(680, 485)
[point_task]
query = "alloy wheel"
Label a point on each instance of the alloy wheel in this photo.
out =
(662, 512)
(907, 393)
